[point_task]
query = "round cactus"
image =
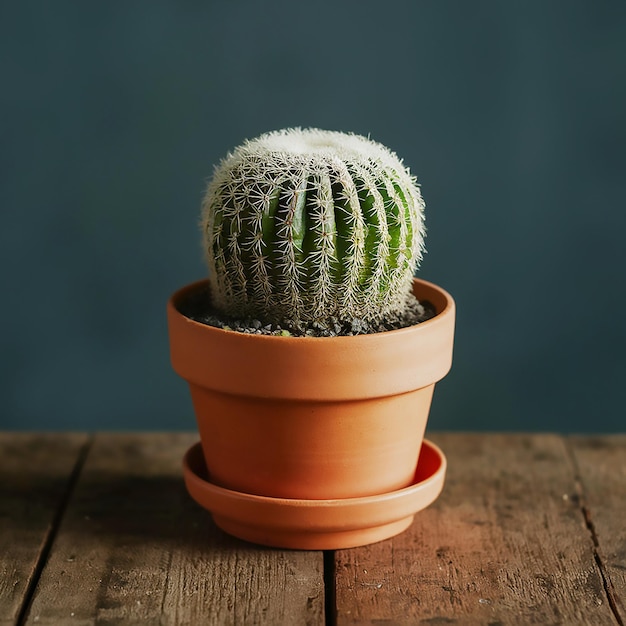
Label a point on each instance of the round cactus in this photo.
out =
(303, 226)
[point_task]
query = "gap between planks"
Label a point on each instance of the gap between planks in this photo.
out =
(53, 530)
(585, 509)
(330, 582)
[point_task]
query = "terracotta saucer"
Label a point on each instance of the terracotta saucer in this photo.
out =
(316, 524)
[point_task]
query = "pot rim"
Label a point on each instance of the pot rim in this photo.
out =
(314, 368)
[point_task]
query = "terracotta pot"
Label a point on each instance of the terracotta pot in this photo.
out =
(312, 418)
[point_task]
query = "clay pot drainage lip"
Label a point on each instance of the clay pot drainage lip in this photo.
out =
(316, 524)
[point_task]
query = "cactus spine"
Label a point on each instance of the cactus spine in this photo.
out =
(307, 225)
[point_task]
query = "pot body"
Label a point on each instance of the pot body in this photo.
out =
(311, 449)
(313, 418)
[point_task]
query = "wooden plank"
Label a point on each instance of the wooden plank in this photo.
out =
(506, 543)
(601, 463)
(134, 548)
(35, 474)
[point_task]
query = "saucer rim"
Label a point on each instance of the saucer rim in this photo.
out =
(206, 485)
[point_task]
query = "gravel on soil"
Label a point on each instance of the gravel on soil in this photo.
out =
(200, 309)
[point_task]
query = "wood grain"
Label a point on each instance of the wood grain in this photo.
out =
(35, 474)
(506, 543)
(134, 548)
(601, 464)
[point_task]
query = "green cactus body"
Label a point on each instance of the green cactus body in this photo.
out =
(308, 225)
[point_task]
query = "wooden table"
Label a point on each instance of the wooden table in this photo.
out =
(530, 529)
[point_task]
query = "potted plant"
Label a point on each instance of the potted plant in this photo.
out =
(312, 352)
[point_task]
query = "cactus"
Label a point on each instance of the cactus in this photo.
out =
(302, 226)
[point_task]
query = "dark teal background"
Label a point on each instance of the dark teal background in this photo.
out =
(512, 115)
